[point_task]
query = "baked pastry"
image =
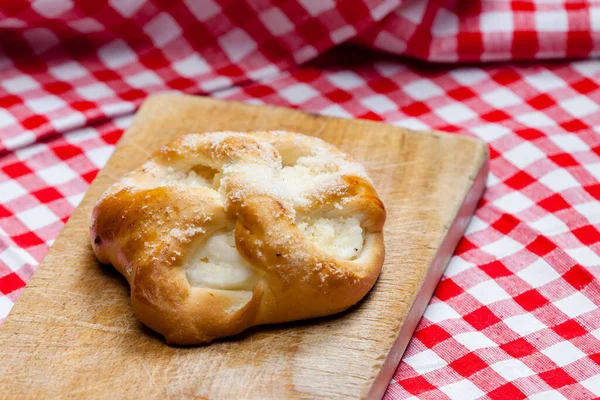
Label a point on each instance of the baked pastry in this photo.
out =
(218, 232)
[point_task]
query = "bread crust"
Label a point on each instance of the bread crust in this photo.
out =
(151, 224)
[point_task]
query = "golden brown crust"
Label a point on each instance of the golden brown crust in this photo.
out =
(151, 224)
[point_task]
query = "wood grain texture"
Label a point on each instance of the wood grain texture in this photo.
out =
(72, 333)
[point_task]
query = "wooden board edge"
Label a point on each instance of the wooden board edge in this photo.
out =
(437, 268)
(148, 103)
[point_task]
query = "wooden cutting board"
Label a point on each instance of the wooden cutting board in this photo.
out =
(73, 333)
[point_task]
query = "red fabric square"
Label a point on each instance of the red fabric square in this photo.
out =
(518, 348)
(10, 283)
(541, 246)
(468, 365)
(27, 240)
(531, 300)
(519, 180)
(482, 318)
(496, 269)
(66, 151)
(578, 277)
(505, 223)
(447, 289)
(47, 195)
(587, 234)
(569, 329)
(507, 391)
(432, 335)
(16, 169)
(554, 203)
(557, 378)
(416, 385)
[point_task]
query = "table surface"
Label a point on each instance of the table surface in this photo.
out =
(517, 312)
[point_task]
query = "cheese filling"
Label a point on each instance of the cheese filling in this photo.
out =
(339, 237)
(218, 265)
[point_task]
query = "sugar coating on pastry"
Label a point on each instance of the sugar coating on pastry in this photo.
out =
(221, 231)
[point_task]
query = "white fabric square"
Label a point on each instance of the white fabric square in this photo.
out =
(538, 274)
(437, 312)
(68, 71)
(276, 21)
(445, 23)
(591, 211)
(69, 121)
(203, 10)
(412, 123)
(383, 9)
(569, 143)
(475, 225)
(75, 199)
(591, 67)
(20, 84)
(592, 384)
(6, 118)
(425, 361)
(126, 8)
(316, 7)
(593, 169)
(490, 132)
(388, 42)
(584, 256)
(563, 353)
(5, 306)
(116, 54)
(502, 97)
(457, 265)
(237, 44)
(524, 155)
(580, 106)
(342, 34)
(468, 76)
(535, 119)
(162, 29)
(475, 340)
(298, 93)
(462, 390)
(215, 84)
(22, 139)
(86, 25)
(57, 174)
(551, 21)
(42, 105)
(502, 247)
(379, 103)
(575, 305)
(305, 54)
(524, 324)
(15, 258)
(496, 21)
(559, 180)
(548, 395)
(512, 369)
(513, 202)
(413, 10)
(37, 217)
(388, 68)
(346, 80)
(455, 112)
(143, 79)
(545, 81)
(488, 292)
(335, 110)
(51, 8)
(10, 190)
(549, 225)
(95, 91)
(422, 89)
(41, 39)
(193, 65)
(100, 155)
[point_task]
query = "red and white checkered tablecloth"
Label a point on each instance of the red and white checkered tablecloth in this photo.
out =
(517, 313)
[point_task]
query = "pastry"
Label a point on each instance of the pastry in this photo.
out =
(218, 232)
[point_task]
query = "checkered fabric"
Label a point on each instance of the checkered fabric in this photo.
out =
(517, 313)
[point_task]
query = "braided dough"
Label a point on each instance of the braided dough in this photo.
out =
(218, 232)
